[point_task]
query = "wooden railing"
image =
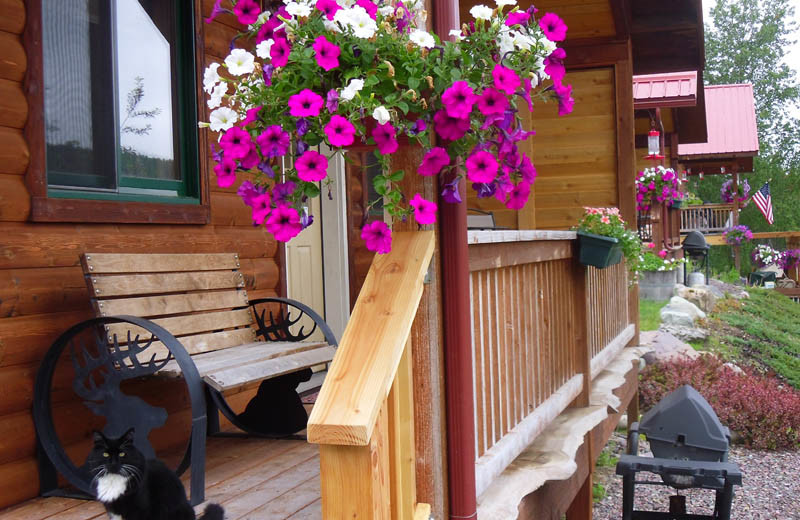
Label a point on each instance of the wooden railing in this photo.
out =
(541, 324)
(363, 419)
(706, 218)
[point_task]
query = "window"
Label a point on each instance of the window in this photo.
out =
(119, 100)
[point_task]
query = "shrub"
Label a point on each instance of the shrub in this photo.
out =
(761, 409)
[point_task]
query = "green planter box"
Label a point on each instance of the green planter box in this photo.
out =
(677, 203)
(598, 250)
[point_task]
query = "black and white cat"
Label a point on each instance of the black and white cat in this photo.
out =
(134, 488)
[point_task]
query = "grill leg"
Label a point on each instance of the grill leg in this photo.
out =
(677, 504)
(725, 501)
(627, 496)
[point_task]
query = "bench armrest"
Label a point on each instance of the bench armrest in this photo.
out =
(277, 329)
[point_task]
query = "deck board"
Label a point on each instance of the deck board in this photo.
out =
(251, 478)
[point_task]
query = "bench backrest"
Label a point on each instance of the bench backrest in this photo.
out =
(199, 298)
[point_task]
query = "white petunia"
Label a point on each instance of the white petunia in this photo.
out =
(210, 77)
(523, 41)
(501, 3)
(216, 96)
(222, 119)
(239, 62)
(358, 20)
(481, 12)
(422, 38)
(298, 10)
(386, 10)
(549, 46)
(262, 49)
(349, 92)
(506, 42)
(381, 115)
(456, 33)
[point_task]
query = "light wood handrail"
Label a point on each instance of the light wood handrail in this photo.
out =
(366, 361)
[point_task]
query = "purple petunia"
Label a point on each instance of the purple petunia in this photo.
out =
(481, 167)
(279, 52)
(260, 203)
(450, 128)
(329, 7)
(226, 173)
(492, 101)
(517, 18)
(306, 103)
(247, 11)
(312, 166)
(282, 191)
(450, 193)
(458, 99)
(273, 141)
(553, 27)
(554, 65)
(505, 79)
(433, 162)
(340, 131)
(424, 210)
(384, 136)
(377, 236)
(519, 196)
(565, 101)
(236, 143)
(284, 223)
(332, 100)
(327, 53)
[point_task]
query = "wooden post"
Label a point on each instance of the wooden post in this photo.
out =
(583, 355)
(402, 454)
(737, 257)
(581, 506)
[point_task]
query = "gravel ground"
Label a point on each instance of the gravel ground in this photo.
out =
(771, 489)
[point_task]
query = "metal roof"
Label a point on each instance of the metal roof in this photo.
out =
(731, 119)
(672, 89)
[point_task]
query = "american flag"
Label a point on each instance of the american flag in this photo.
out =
(763, 200)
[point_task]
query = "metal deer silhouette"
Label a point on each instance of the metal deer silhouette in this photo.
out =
(115, 364)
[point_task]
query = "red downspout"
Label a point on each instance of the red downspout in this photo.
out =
(456, 324)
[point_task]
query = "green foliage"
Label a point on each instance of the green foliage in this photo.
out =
(649, 315)
(606, 459)
(607, 222)
(598, 492)
(652, 262)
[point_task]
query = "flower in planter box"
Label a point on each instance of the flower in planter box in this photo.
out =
(789, 259)
(607, 222)
(328, 74)
(659, 184)
(737, 234)
(764, 256)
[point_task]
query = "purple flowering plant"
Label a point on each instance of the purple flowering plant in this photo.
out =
(329, 74)
(659, 184)
(735, 235)
(728, 192)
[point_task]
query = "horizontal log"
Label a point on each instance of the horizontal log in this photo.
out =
(25, 292)
(13, 59)
(493, 256)
(227, 209)
(36, 245)
(25, 339)
(14, 152)
(260, 274)
(218, 40)
(19, 481)
(15, 204)
(224, 18)
(13, 19)
(13, 104)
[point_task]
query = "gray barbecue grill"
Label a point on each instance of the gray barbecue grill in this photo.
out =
(696, 248)
(690, 450)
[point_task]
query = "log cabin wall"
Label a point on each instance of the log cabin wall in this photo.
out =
(42, 291)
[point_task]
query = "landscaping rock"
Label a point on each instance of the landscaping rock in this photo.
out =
(676, 303)
(701, 296)
(665, 347)
(734, 291)
(676, 318)
(685, 333)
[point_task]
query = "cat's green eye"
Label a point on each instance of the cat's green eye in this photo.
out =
(105, 454)
(122, 454)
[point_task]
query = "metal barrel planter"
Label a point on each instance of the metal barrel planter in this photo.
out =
(598, 250)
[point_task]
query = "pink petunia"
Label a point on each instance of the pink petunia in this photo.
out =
(284, 223)
(247, 11)
(526, 93)
(527, 169)
(236, 143)
(565, 101)
(340, 131)
(554, 65)
(252, 115)
(329, 7)
(269, 30)
(433, 162)
(492, 101)
(384, 136)
(424, 210)
(450, 128)
(458, 99)
(312, 166)
(605, 220)
(369, 7)
(651, 245)
(327, 53)
(662, 254)
(226, 172)
(261, 207)
(273, 141)
(250, 160)
(279, 52)
(306, 103)
(517, 18)
(481, 167)
(249, 191)
(377, 236)
(553, 27)
(505, 79)
(519, 196)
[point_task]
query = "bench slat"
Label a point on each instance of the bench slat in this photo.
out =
(200, 343)
(103, 286)
(227, 379)
(156, 263)
(242, 355)
(183, 325)
(149, 306)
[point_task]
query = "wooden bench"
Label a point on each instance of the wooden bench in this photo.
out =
(181, 315)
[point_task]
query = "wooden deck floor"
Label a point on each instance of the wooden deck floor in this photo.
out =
(251, 478)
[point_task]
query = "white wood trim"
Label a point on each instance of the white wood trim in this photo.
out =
(498, 457)
(495, 236)
(335, 271)
(610, 351)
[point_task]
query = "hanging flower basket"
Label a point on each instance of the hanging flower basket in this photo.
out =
(677, 203)
(598, 250)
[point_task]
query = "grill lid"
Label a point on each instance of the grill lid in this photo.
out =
(684, 419)
(695, 243)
